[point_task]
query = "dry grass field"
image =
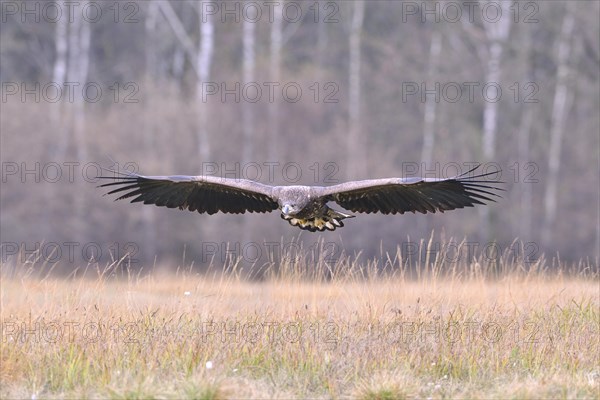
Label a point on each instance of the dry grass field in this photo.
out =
(304, 330)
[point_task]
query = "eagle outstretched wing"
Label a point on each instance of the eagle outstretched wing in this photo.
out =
(400, 195)
(205, 194)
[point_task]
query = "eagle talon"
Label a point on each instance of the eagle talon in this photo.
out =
(328, 220)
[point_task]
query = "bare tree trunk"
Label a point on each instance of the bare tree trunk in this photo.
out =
(322, 40)
(58, 147)
(205, 54)
(356, 148)
(179, 31)
(430, 105)
(201, 57)
(204, 60)
(79, 45)
(83, 68)
(248, 128)
(430, 114)
(148, 213)
(526, 210)
(275, 76)
(150, 25)
(79, 37)
(181, 54)
(497, 33)
(490, 113)
(247, 110)
(59, 74)
(559, 112)
(178, 65)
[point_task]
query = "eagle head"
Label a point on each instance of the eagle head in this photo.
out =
(293, 199)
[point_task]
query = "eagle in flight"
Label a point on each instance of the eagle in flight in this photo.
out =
(306, 206)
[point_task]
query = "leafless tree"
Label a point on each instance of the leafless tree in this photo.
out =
(524, 148)
(249, 61)
(275, 76)
(59, 74)
(560, 106)
(356, 154)
(77, 71)
(150, 24)
(431, 105)
(205, 55)
(497, 33)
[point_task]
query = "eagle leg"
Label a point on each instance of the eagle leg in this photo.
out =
(329, 220)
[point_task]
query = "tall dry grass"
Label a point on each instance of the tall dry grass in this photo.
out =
(305, 325)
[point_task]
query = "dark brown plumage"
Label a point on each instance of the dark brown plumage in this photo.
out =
(306, 206)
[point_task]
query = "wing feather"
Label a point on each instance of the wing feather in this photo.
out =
(204, 194)
(401, 195)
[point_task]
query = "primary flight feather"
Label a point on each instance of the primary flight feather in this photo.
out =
(306, 206)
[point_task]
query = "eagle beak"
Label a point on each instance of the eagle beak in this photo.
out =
(286, 209)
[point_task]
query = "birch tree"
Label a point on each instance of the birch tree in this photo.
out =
(59, 146)
(77, 71)
(523, 151)
(249, 28)
(78, 42)
(559, 112)
(275, 76)
(248, 128)
(430, 106)
(201, 60)
(179, 30)
(148, 213)
(497, 33)
(322, 42)
(205, 56)
(59, 74)
(429, 116)
(497, 29)
(356, 154)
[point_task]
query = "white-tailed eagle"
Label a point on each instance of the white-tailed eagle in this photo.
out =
(306, 206)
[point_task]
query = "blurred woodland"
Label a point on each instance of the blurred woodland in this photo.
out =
(291, 92)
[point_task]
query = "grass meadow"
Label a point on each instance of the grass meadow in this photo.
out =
(389, 328)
